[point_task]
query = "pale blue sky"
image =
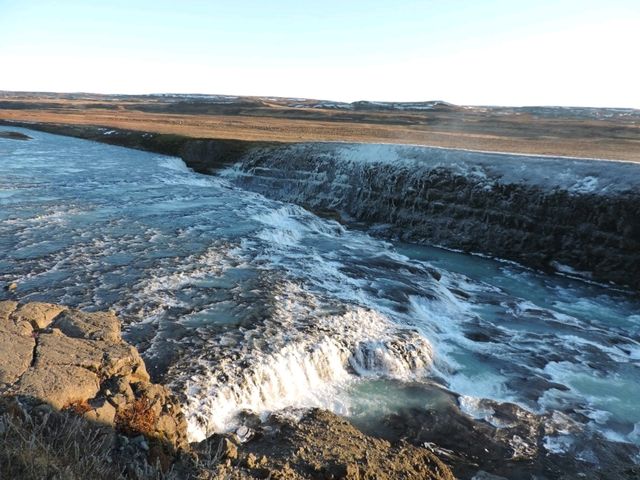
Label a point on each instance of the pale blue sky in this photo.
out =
(562, 52)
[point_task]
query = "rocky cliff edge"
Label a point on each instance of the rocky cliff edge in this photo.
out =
(60, 364)
(73, 360)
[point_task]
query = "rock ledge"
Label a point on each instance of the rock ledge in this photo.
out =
(78, 361)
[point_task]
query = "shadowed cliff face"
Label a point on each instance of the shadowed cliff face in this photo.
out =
(543, 212)
(577, 216)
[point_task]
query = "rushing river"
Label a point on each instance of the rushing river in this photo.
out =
(244, 303)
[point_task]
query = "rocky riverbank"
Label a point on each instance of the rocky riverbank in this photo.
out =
(579, 217)
(75, 398)
(575, 216)
(317, 444)
(59, 359)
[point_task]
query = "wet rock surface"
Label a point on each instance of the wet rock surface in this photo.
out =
(545, 213)
(503, 440)
(14, 136)
(321, 445)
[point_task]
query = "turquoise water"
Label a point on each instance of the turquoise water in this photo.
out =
(240, 302)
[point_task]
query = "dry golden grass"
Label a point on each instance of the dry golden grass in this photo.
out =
(55, 446)
(472, 130)
(138, 419)
(79, 408)
(64, 446)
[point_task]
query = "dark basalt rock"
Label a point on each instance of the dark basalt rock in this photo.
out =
(510, 444)
(14, 136)
(540, 212)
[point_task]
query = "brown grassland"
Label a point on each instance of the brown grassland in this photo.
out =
(517, 130)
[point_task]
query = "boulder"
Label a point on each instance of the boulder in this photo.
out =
(102, 412)
(7, 307)
(8, 322)
(58, 385)
(74, 360)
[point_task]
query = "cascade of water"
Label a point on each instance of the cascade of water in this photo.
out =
(299, 357)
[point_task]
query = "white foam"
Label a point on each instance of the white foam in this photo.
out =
(558, 444)
(299, 375)
(601, 417)
(615, 353)
(483, 385)
(587, 184)
(159, 291)
(475, 408)
(304, 360)
(174, 163)
(294, 222)
(56, 215)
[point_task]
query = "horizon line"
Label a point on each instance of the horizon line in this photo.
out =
(2, 91)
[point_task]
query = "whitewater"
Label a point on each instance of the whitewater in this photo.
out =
(246, 305)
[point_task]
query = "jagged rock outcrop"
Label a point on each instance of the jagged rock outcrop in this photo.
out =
(546, 213)
(70, 359)
(322, 445)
